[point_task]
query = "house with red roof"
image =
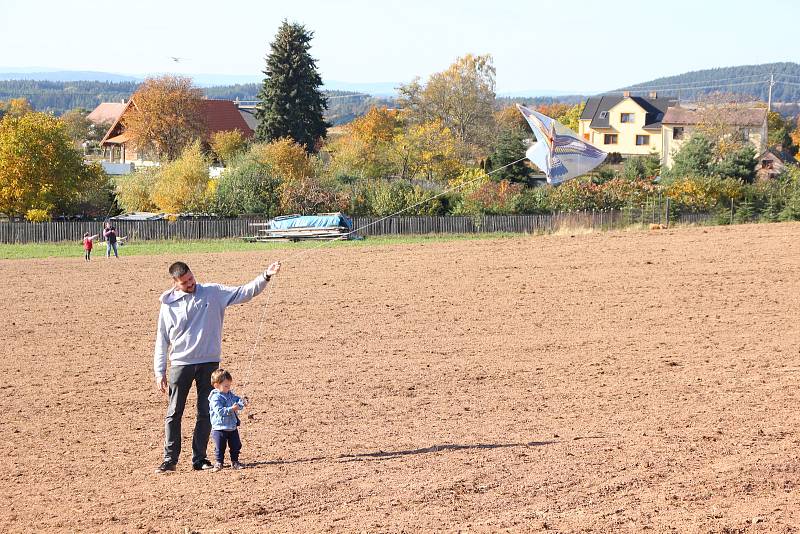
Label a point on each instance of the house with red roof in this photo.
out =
(220, 116)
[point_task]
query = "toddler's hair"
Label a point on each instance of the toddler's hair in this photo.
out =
(86, 234)
(219, 376)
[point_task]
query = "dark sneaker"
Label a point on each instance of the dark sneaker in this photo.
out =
(165, 466)
(202, 465)
(236, 465)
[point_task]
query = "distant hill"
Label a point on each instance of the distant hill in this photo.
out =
(67, 76)
(751, 80)
(349, 100)
(59, 97)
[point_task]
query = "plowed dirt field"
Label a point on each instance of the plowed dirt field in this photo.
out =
(623, 381)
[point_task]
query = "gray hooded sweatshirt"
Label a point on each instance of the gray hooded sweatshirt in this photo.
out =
(191, 323)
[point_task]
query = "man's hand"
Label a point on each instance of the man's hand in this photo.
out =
(235, 408)
(161, 383)
(273, 269)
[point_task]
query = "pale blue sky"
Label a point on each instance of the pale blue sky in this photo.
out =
(577, 45)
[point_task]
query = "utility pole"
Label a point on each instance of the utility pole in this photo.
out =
(769, 98)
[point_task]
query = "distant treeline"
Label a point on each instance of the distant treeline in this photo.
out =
(60, 97)
(751, 80)
(535, 101)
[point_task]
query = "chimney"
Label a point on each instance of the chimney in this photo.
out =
(626, 94)
(653, 94)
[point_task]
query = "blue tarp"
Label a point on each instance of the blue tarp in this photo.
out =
(334, 220)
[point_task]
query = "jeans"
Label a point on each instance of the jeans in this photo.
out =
(180, 382)
(109, 246)
(229, 437)
(88, 255)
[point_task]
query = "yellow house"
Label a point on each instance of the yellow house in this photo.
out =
(637, 126)
(628, 125)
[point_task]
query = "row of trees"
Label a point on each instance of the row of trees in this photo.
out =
(450, 150)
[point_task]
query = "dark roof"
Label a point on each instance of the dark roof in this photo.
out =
(654, 108)
(249, 116)
(740, 117)
(223, 115)
(595, 107)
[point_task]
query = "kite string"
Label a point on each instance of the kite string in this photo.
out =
(395, 214)
(257, 339)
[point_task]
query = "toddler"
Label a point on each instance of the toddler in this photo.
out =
(224, 406)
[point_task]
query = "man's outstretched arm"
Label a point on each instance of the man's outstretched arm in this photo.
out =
(242, 294)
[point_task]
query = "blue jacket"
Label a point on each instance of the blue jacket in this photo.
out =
(220, 406)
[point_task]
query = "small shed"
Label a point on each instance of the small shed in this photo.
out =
(770, 165)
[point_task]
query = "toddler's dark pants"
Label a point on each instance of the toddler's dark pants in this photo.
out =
(231, 439)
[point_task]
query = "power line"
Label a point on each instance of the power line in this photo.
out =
(683, 84)
(714, 86)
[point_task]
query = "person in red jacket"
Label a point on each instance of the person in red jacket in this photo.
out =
(87, 245)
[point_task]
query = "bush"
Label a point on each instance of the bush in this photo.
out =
(534, 201)
(37, 215)
(248, 187)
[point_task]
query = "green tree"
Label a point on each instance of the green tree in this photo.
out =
(510, 147)
(39, 168)
(77, 126)
(292, 104)
(694, 158)
(639, 167)
(248, 187)
(738, 164)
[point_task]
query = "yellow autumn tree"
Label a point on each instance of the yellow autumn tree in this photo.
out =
(227, 145)
(462, 98)
(183, 184)
(15, 107)
(135, 191)
(166, 116)
(39, 168)
(364, 149)
(427, 151)
(300, 190)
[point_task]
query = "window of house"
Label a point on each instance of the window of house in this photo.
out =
(610, 139)
(677, 132)
(642, 140)
(626, 117)
(604, 114)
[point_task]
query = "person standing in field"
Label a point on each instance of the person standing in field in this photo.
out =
(88, 245)
(110, 235)
(190, 330)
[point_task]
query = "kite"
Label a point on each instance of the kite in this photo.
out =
(558, 151)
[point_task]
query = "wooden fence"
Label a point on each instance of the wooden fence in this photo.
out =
(23, 232)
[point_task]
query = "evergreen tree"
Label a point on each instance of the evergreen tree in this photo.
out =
(510, 147)
(694, 158)
(740, 165)
(292, 104)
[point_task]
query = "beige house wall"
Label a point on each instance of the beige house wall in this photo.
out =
(671, 145)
